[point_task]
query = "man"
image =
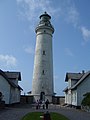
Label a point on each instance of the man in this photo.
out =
(47, 102)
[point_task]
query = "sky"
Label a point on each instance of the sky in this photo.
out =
(71, 39)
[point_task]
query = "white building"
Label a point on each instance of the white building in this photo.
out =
(9, 86)
(42, 84)
(78, 85)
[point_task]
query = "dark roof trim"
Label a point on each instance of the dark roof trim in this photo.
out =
(20, 88)
(73, 76)
(81, 80)
(9, 81)
(13, 75)
(66, 89)
(5, 76)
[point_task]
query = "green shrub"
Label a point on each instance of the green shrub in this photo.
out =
(86, 100)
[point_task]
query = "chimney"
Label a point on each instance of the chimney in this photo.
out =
(83, 72)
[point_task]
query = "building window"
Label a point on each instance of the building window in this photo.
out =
(44, 31)
(43, 72)
(44, 53)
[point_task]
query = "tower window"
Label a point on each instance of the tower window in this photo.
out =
(44, 53)
(44, 31)
(43, 72)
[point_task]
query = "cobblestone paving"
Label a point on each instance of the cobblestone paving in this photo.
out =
(19, 112)
(74, 114)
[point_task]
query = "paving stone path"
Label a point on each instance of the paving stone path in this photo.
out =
(18, 112)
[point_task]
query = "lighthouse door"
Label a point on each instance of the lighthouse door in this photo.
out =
(42, 96)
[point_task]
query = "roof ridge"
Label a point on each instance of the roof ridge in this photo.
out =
(81, 79)
(6, 77)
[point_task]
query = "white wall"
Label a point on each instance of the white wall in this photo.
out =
(74, 97)
(5, 89)
(10, 94)
(66, 97)
(43, 83)
(83, 88)
(69, 83)
(15, 95)
(69, 97)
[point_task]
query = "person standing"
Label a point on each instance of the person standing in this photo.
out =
(37, 104)
(43, 104)
(47, 102)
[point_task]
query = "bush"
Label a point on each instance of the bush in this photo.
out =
(86, 100)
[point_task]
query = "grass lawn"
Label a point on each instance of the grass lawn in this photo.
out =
(36, 116)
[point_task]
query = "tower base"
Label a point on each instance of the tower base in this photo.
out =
(37, 97)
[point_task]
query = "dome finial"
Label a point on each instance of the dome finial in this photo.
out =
(45, 12)
(45, 15)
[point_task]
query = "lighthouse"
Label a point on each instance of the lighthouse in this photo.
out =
(42, 83)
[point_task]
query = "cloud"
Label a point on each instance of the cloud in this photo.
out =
(66, 9)
(85, 33)
(32, 8)
(7, 60)
(29, 50)
(73, 16)
(69, 52)
(70, 12)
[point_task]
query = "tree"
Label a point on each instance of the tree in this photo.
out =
(86, 100)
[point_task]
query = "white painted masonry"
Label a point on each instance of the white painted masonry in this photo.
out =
(43, 62)
(78, 85)
(5, 89)
(9, 87)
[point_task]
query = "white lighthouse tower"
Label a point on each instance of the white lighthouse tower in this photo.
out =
(42, 84)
